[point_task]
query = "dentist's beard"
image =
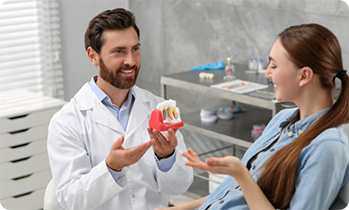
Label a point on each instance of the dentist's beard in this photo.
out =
(115, 78)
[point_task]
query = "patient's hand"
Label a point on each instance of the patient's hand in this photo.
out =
(229, 165)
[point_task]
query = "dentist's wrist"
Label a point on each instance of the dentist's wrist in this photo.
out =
(167, 156)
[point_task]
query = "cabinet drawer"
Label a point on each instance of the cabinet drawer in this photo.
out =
(25, 121)
(33, 200)
(10, 170)
(22, 186)
(23, 136)
(17, 152)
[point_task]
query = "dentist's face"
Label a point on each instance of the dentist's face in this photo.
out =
(120, 57)
(284, 73)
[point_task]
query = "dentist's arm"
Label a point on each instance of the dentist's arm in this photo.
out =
(173, 177)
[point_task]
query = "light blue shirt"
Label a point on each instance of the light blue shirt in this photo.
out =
(122, 115)
(323, 164)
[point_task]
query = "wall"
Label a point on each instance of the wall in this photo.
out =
(177, 35)
(75, 16)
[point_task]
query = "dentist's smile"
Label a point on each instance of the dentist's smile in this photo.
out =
(127, 71)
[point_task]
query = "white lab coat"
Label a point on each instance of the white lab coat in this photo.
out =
(80, 138)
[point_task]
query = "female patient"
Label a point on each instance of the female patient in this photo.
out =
(301, 160)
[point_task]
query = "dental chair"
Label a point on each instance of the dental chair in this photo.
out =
(342, 198)
(50, 199)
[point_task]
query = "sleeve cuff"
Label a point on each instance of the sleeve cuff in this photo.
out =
(166, 164)
(114, 174)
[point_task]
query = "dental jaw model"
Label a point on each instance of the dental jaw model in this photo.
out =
(165, 116)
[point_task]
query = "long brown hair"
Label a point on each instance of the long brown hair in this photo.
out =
(314, 46)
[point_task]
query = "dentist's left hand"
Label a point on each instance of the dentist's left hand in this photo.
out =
(164, 144)
(120, 157)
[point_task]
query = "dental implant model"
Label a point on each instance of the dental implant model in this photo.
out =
(165, 116)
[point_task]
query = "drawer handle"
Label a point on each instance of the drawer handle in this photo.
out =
(21, 177)
(24, 194)
(19, 131)
(19, 160)
(17, 117)
(20, 145)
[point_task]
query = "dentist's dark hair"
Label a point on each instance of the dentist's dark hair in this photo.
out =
(314, 46)
(108, 20)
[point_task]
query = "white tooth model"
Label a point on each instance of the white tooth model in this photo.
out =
(170, 111)
(204, 75)
(166, 116)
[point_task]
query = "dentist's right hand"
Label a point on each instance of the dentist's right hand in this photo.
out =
(120, 157)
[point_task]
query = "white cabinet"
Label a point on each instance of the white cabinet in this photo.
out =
(24, 165)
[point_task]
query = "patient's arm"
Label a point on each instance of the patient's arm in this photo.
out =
(186, 206)
(232, 166)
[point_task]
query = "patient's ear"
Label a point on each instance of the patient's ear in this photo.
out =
(92, 55)
(306, 76)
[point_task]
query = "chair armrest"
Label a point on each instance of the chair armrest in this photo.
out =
(338, 204)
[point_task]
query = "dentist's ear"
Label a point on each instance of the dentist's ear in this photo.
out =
(306, 76)
(92, 55)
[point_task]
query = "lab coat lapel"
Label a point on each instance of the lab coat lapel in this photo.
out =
(87, 100)
(104, 117)
(140, 113)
